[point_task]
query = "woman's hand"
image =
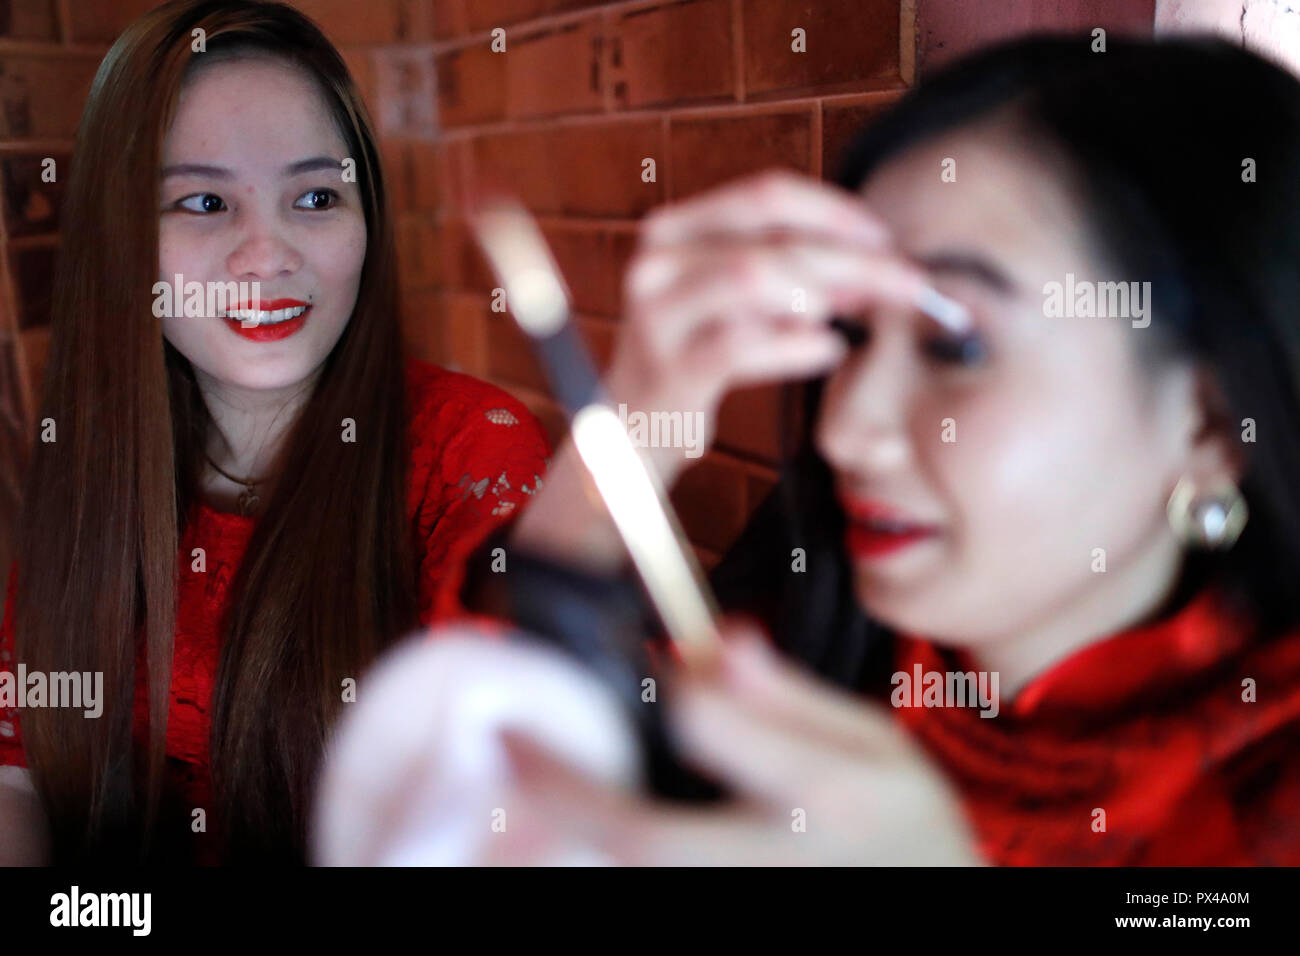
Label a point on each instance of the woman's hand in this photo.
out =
(820, 778)
(731, 288)
(735, 287)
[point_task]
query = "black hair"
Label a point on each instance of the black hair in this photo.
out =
(1158, 136)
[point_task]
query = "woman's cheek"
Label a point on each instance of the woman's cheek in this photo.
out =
(1005, 466)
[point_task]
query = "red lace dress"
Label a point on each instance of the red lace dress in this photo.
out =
(477, 454)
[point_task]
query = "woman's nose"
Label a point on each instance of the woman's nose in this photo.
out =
(863, 424)
(263, 253)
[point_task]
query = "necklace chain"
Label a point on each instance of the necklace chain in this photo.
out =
(248, 498)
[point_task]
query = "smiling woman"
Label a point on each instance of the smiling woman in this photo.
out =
(250, 495)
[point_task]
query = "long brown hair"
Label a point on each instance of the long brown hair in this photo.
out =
(328, 577)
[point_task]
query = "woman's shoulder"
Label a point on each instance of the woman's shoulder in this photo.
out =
(461, 425)
(441, 397)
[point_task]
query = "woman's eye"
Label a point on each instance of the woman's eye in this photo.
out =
(854, 332)
(317, 199)
(202, 203)
(967, 350)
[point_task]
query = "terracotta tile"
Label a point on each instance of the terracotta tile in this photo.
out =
(554, 72)
(848, 46)
(31, 205)
(28, 20)
(674, 54)
(42, 96)
(707, 152)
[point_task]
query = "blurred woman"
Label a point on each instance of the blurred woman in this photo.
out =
(1086, 503)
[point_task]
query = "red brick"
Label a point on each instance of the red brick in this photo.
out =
(44, 95)
(841, 123)
(750, 422)
(93, 21)
(425, 159)
(599, 336)
(502, 13)
(36, 349)
(29, 20)
(709, 151)
(363, 75)
(31, 205)
(593, 262)
(673, 54)
(463, 266)
(422, 330)
(412, 170)
(404, 90)
(759, 483)
(471, 86)
(511, 356)
(395, 156)
(418, 253)
(358, 24)
(450, 18)
(554, 72)
(33, 274)
(583, 169)
(464, 326)
(709, 498)
(850, 46)
(414, 21)
(707, 559)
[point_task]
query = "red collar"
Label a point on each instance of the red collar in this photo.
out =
(1140, 662)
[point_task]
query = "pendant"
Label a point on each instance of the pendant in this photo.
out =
(248, 502)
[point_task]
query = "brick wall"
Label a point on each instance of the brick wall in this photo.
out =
(584, 92)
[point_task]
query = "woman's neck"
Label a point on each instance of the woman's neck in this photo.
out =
(249, 428)
(1144, 591)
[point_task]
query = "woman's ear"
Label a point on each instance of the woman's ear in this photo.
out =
(1214, 450)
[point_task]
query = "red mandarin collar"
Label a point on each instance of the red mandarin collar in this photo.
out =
(1132, 666)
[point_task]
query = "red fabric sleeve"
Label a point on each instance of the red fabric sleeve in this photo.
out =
(490, 455)
(11, 740)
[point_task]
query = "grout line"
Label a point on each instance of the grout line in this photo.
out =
(816, 143)
(738, 48)
(63, 12)
(543, 23)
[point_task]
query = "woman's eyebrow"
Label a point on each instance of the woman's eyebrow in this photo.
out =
(220, 172)
(196, 169)
(971, 266)
(313, 164)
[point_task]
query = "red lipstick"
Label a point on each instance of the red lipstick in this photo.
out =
(275, 318)
(874, 529)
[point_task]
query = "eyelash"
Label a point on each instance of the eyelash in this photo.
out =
(967, 350)
(179, 204)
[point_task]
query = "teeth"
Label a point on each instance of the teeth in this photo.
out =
(264, 317)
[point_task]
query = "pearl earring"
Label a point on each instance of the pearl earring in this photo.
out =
(1213, 520)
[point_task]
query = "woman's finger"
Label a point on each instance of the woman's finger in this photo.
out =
(753, 670)
(739, 355)
(557, 807)
(775, 199)
(796, 282)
